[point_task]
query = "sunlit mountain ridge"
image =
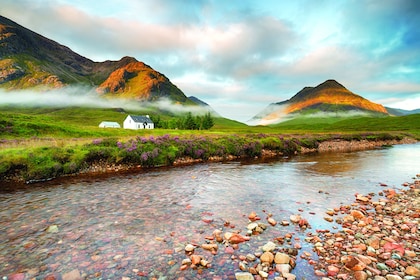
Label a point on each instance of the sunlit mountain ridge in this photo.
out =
(30, 61)
(329, 98)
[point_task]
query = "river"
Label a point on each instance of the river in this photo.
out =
(136, 225)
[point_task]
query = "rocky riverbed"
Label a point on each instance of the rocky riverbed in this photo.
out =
(379, 238)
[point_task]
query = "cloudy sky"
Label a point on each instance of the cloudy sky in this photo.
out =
(241, 55)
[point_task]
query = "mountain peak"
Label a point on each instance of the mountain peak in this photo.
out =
(29, 60)
(329, 96)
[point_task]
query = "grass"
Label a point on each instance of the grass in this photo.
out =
(40, 143)
(409, 124)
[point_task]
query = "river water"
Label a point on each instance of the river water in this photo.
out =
(136, 225)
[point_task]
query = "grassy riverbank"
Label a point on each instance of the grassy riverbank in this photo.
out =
(112, 154)
(39, 144)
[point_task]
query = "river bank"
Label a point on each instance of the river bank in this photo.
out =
(107, 156)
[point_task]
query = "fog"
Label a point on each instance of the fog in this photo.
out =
(87, 97)
(276, 114)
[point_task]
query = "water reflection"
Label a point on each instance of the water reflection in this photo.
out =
(137, 224)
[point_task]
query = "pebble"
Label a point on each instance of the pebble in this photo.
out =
(413, 271)
(283, 268)
(189, 248)
(269, 247)
(263, 274)
(281, 258)
(267, 257)
(295, 218)
(244, 276)
(289, 276)
(72, 275)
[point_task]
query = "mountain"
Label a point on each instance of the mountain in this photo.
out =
(203, 104)
(401, 112)
(29, 60)
(328, 97)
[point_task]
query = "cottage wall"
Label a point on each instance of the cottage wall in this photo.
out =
(129, 123)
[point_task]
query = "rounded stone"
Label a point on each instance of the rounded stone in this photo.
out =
(189, 248)
(281, 258)
(267, 257)
(269, 246)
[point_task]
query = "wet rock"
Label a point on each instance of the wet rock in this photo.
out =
(263, 274)
(281, 258)
(253, 216)
(362, 198)
(189, 248)
(373, 242)
(243, 266)
(195, 259)
(267, 257)
(252, 226)
(360, 275)
(16, 276)
(269, 247)
(295, 218)
(235, 238)
(410, 254)
(209, 246)
(328, 219)
(72, 275)
(244, 276)
(332, 270)
(186, 261)
(251, 257)
(271, 221)
(289, 276)
(283, 268)
(381, 266)
(393, 277)
(303, 223)
(357, 214)
(413, 271)
(217, 233)
(52, 229)
(285, 223)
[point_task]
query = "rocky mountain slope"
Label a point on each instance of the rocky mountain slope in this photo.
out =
(29, 60)
(328, 97)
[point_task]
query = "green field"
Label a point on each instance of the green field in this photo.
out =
(42, 143)
(25, 123)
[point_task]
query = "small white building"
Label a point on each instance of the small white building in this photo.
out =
(138, 122)
(106, 124)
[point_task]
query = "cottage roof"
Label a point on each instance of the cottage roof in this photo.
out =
(141, 119)
(107, 123)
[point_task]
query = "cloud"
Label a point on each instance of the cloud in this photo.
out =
(231, 53)
(86, 97)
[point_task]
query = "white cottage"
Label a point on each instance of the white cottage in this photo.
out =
(138, 122)
(106, 124)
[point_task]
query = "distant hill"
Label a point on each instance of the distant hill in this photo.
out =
(31, 61)
(401, 112)
(329, 97)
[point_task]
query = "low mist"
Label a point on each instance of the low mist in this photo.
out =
(87, 97)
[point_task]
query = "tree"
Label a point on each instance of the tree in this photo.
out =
(207, 121)
(189, 122)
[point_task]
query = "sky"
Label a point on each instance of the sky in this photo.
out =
(241, 55)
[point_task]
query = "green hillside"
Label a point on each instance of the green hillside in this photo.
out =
(409, 124)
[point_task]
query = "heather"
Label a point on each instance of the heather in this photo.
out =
(40, 163)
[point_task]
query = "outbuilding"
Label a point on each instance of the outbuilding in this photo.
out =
(106, 124)
(138, 122)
